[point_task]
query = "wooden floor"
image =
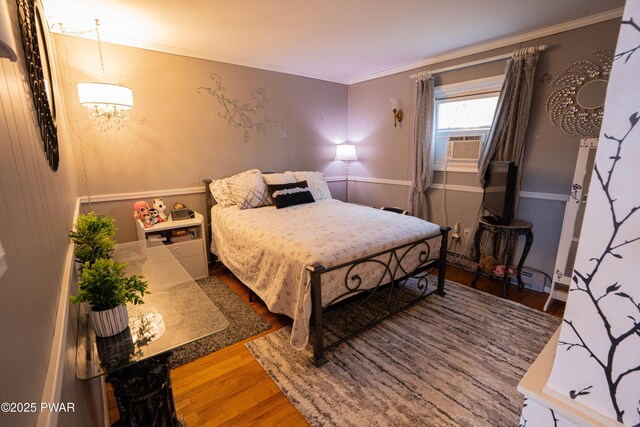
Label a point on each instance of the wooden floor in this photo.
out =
(230, 388)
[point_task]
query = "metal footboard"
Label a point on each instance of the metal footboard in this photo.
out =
(367, 304)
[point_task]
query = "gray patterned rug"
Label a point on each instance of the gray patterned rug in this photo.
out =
(448, 361)
(243, 323)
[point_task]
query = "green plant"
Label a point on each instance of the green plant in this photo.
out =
(104, 286)
(93, 236)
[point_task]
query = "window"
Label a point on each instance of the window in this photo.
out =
(463, 116)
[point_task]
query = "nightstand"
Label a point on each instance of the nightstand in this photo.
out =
(184, 238)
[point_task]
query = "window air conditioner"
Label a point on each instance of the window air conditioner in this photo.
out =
(464, 148)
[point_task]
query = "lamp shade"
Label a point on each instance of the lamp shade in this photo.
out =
(105, 95)
(346, 152)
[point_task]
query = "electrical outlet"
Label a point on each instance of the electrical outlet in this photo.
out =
(456, 230)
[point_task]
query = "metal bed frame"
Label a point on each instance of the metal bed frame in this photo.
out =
(365, 306)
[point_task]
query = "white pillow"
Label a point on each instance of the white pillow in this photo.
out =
(248, 190)
(278, 178)
(316, 182)
(220, 191)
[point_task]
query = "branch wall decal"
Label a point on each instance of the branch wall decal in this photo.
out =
(243, 116)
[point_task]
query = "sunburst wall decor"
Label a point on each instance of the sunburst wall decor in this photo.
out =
(577, 106)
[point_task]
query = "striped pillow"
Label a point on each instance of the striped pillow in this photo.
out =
(285, 195)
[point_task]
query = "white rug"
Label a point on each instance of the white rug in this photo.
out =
(449, 361)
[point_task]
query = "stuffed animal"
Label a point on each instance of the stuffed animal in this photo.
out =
(486, 263)
(155, 216)
(158, 204)
(139, 208)
(141, 212)
(146, 219)
(498, 270)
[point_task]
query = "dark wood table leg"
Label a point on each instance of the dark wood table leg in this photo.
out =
(144, 395)
(508, 259)
(476, 242)
(527, 246)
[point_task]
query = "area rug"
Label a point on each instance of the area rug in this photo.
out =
(243, 323)
(448, 361)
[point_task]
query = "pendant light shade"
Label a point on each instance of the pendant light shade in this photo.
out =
(108, 103)
(105, 95)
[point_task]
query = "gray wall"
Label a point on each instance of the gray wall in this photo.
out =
(550, 155)
(175, 137)
(37, 209)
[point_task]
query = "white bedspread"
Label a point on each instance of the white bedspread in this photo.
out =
(268, 249)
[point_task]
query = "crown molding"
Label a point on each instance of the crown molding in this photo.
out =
(498, 43)
(191, 53)
(478, 48)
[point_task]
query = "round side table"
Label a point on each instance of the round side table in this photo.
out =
(510, 232)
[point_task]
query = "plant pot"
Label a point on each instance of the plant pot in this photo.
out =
(108, 323)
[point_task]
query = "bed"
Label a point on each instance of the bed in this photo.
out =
(305, 260)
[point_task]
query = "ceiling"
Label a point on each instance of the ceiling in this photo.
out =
(344, 41)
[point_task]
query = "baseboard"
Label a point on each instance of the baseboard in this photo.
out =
(53, 382)
(529, 274)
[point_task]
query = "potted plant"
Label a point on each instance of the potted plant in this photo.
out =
(94, 237)
(104, 286)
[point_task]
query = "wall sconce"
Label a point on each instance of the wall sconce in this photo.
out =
(108, 103)
(346, 153)
(396, 108)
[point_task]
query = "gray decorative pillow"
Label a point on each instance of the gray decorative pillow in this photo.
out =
(316, 182)
(248, 190)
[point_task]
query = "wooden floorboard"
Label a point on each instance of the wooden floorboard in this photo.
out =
(230, 388)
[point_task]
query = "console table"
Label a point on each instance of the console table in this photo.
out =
(510, 232)
(136, 361)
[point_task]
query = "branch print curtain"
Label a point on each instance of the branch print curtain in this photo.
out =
(597, 361)
(422, 136)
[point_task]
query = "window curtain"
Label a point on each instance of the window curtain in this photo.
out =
(422, 135)
(508, 130)
(507, 135)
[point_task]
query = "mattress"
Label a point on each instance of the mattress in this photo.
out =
(268, 249)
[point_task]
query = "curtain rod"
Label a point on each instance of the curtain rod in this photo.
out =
(425, 73)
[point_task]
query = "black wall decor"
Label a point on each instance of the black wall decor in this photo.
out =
(40, 78)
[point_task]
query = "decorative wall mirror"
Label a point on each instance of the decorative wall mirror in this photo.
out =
(39, 69)
(577, 107)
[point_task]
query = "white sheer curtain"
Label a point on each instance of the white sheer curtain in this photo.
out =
(422, 136)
